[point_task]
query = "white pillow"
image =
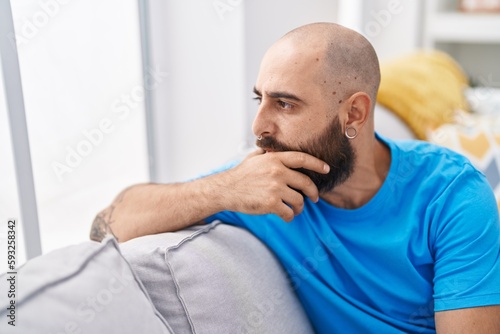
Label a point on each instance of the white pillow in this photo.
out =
(85, 288)
(389, 125)
(483, 100)
(215, 279)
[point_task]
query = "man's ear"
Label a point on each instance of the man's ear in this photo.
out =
(359, 111)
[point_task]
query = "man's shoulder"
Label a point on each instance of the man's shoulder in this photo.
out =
(432, 169)
(429, 155)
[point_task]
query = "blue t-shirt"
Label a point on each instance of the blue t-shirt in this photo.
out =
(428, 241)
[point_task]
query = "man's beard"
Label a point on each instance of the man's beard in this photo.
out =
(331, 146)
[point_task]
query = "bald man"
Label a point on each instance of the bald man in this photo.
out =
(405, 234)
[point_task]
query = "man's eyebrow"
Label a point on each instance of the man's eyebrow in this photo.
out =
(256, 91)
(278, 95)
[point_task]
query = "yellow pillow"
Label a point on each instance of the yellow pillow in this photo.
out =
(478, 138)
(424, 89)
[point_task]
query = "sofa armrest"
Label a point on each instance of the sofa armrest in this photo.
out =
(83, 288)
(216, 278)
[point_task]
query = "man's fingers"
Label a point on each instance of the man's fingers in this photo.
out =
(286, 213)
(258, 151)
(302, 182)
(303, 160)
(294, 200)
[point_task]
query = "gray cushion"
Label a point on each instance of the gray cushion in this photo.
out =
(216, 279)
(85, 288)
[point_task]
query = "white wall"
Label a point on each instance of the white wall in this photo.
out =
(199, 111)
(392, 26)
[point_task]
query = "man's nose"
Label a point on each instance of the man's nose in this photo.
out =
(263, 124)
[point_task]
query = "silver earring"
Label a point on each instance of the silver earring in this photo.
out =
(259, 137)
(351, 136)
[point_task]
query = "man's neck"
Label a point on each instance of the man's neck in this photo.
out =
(370, 171)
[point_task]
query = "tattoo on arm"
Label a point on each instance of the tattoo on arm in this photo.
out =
(101, 226)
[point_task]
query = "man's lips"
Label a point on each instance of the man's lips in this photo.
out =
(265, 149)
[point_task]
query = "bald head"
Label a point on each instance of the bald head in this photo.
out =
(348, 60)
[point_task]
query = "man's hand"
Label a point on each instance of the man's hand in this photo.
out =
(101, 226)
(266, 183)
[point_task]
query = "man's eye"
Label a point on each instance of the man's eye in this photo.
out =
(258, 99)
(285, 105)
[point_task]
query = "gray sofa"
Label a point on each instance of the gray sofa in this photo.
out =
(214, 278)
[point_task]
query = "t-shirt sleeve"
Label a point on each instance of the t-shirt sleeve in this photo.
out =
(465, 234)
(228, 217)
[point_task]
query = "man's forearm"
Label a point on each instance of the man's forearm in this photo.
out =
(154, 208)
(260, 184)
